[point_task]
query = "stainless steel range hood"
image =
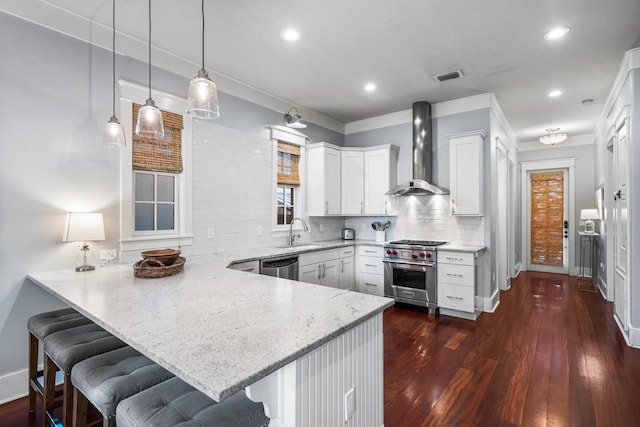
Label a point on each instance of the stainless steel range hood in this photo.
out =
(422, 156)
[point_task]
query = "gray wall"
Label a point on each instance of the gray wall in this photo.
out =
(56, 96)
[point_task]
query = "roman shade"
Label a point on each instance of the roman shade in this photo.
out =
(288, 164)
(159, 154)
(547, 217)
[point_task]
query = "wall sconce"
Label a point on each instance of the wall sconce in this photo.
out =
(293, 121)
(588, 215)
(84, 227)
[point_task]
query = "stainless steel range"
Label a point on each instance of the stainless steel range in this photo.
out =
(410, 272)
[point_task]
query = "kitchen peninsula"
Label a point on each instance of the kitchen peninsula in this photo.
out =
(297, 347)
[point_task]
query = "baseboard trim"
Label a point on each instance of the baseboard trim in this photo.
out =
(490, 304)
(518, 269)
(634, 337)
(14, 386)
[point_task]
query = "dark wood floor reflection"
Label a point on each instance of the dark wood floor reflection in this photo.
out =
(551, 355)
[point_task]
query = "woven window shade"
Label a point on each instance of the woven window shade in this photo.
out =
(547, 217)
(159, 155)
(288, 164)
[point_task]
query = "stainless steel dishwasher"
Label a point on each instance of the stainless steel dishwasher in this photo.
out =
(285, 267)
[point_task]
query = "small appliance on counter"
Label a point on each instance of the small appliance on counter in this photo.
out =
(348, 234)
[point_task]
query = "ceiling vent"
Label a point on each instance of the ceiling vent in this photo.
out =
(449, 76)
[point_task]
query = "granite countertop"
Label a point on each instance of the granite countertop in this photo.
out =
(461, 248)
(218, 329)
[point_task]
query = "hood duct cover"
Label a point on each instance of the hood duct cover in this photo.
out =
(421, 184)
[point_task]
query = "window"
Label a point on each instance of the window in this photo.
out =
(154, 204)
(288, 161)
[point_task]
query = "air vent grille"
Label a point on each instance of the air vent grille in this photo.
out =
(449, 76)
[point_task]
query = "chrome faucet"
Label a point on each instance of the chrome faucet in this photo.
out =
(291, 235)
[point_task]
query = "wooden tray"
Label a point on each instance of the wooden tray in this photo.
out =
(153, 268)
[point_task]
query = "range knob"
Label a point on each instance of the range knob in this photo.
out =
(388, 251)
(421, 254)
(414, 256)
(395, 252)
(429, 255)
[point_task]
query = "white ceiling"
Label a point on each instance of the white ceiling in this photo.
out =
(400, 45)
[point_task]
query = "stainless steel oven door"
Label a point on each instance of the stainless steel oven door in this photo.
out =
(412, 283)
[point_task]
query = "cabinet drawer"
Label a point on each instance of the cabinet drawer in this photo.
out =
(376, 251)
(371, 284)
(348, 251)
(456, 297)
(463, 275)
(462, 258)
(367, 264)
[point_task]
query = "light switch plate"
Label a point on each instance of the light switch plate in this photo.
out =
(108, 254)
(259, 231)
(211, 233)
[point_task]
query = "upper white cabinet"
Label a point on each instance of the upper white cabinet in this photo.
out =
(362, 176)
(323, 179)
(465, 155)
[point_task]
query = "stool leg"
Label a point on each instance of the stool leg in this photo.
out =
(33, 369)
(79, 409)
(49, 394)
(67, 400)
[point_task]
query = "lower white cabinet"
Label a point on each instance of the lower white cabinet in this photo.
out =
(371, 270)
(457, 281)
(347, 268)
(320, 268)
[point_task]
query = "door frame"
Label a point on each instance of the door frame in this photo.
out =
(502, 219)
(539, 165)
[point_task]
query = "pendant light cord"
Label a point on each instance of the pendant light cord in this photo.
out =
(203, 34)
(113, 52)
(149, 49)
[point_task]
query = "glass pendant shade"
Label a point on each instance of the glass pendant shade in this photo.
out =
(149, 122)
(203, 97)
(113, 132)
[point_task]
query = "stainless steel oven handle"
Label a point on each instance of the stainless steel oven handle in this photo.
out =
(409, 265)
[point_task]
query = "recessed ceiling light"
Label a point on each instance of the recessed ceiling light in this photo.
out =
(555, 93)
(370, 87)
(556, 33)
(290, 34)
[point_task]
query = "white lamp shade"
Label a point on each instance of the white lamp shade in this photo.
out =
(203, 98)
(149, 122)
(589, 214)
(83, 226)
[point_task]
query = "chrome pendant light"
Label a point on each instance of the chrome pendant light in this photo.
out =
(149, 116)
(113, 132)
(203, 95)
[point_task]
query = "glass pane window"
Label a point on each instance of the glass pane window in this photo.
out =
(285, 204)
(154, 202)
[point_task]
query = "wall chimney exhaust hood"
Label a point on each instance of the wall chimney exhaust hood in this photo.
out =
(421, 184)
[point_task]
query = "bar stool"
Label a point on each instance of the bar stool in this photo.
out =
(108, 378)
(62, 351)
(39, 327)
(174, 402)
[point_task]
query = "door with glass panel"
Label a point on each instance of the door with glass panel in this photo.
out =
(548, 221)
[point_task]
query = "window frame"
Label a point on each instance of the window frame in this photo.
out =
(131, 243)
(155, 202)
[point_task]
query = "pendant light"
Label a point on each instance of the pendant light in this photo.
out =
(113, 132)
(203, 95)
(149, 116)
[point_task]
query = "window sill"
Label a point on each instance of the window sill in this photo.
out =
(143, 243)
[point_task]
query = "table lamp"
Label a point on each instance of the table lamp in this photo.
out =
(84, 227)
(588, 215)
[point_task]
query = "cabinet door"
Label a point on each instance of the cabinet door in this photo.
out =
(332, 180)
(323, 181)
(352, 176)
(376, 181)
(310, 273)
(331, 273)
(347, 273)
(466, 174)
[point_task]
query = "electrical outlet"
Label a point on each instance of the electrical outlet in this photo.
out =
(259, 231)
(108, 254)
(349, 404)
(321, 227)
(211, 233)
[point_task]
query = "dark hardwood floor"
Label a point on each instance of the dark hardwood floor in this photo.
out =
(551, 355)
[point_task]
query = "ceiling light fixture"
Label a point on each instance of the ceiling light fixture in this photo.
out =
(293, 121)
(552, 137)
(150, 123)
(203, 95)
(290, 35)
(555, 93)
(370, 87)
(556, 33)
(113, 132)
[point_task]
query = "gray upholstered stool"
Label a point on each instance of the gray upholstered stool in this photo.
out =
(174, 402)
(39, 327)
(108, 378)
(63, 350)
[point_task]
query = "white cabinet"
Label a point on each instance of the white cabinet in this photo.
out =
(352, 177)
(347, 268)
(466, 174)
(457, 281)
(323, 179)
(320, 268)
(380, 175)
(371, 270)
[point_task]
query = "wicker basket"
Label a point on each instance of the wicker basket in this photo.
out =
(153, 268)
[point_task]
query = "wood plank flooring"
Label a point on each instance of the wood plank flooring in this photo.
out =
(551, 355)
